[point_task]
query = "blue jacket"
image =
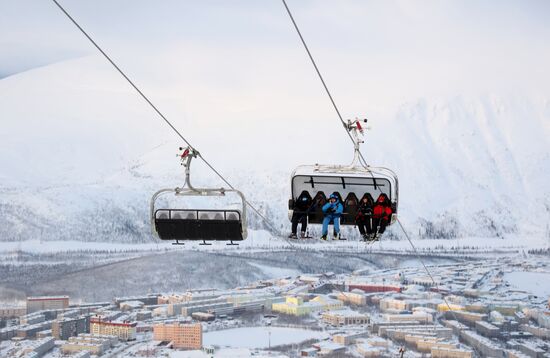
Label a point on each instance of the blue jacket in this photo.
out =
(333, 209)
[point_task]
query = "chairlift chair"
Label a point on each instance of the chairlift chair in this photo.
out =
(175, 224)
(349, 181)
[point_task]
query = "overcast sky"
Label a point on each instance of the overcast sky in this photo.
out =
(221, 68)
(447, 44)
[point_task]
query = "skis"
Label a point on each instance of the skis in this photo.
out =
(372, 238)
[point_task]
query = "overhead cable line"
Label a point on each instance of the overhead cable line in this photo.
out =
(162, 116)
(415, 251)
(321, 78)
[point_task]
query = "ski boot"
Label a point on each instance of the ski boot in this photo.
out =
(303, 235)
(293, 236)
(324, 237)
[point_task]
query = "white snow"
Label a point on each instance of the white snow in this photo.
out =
(226, 353)
(276, 272)
(262, 241)
(258, 337)
(81, 154)
(537, 283)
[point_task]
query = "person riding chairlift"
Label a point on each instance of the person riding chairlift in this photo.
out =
(333, 211)
(381, 215)
(363, 219)
(302, 207)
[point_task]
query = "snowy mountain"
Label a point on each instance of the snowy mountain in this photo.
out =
(81, 158)
(462, 120)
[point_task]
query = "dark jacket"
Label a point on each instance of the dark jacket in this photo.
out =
(303, 203)
(364, 212)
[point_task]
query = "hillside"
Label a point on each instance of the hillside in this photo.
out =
(81, 155)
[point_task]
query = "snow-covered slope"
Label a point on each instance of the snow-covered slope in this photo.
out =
(81, 154)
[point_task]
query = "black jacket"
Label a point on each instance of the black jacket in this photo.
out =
(303, 203)
(364, 212)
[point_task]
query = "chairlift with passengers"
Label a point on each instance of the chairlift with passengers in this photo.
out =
(349, 183)
(177, 224)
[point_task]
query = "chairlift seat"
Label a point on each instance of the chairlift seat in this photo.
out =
(199, 225)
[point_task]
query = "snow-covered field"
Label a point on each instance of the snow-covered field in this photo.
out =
(259, 337)
(263, 241)
(537, 283)
(276, 271)
(38, 247)
(225, 353)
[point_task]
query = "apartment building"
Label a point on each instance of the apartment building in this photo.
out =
(32, 318)
(345, 317)
(372, 287)
(419, 316)
(355, 298)
(95, 345)
(297, 307)
(347, 339)
(368, 351)
(442, 352)
(125, 331)
(46, 303)
(466, 317)
(12, 311)
(182, 335)
(38, 348)
(487, 329)
(64, 328)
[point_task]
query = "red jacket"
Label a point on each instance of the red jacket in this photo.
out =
(381, 210)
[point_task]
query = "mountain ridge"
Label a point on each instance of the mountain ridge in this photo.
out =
(467, 166)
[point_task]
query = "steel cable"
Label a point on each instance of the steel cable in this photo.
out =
(163, 117)
(415, 251)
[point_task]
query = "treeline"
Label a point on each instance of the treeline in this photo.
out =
(540, 252)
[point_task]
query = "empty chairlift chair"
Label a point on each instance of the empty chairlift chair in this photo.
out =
(198, 224)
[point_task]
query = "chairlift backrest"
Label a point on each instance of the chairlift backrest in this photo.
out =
(351, 199)
(337, 194)
(232, 216)
(383, 198)
(191, 215)
(162, 214)
(320, 198)
(178, 214)
(369, 198)
(342, 184)
(351, 204)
